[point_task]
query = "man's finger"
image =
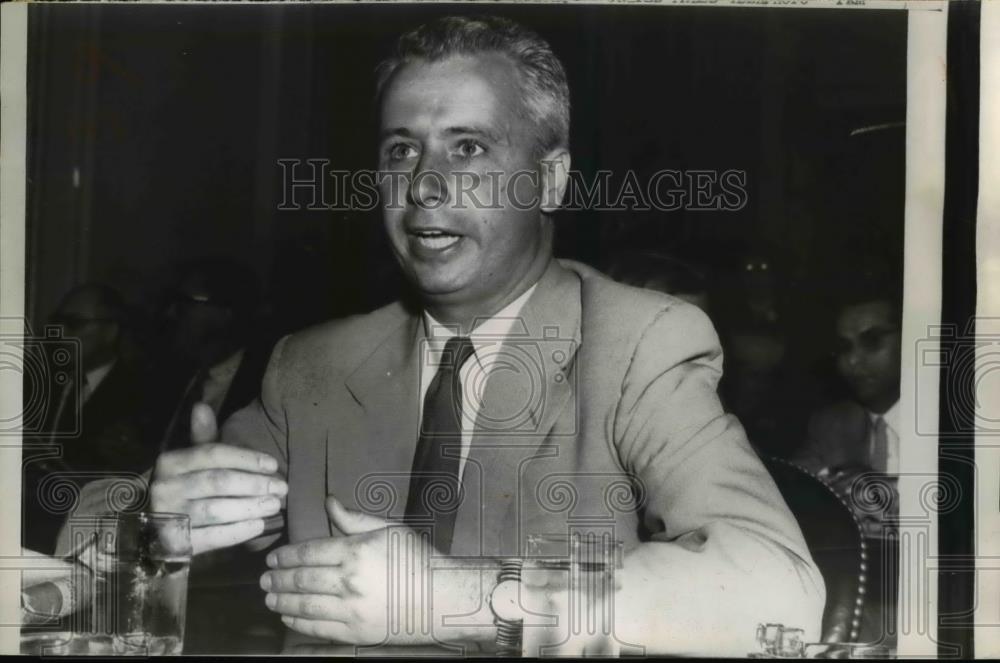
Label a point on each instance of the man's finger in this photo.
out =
(306, 580)
(221, 483)
(222, 510)
(351, 522)
(209, 456)
(317, 552)
(317, 628)
(310, 606)
(203, 426)
(204, 539)
(38, 568)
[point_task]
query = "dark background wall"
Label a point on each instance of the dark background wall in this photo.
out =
(155, 132)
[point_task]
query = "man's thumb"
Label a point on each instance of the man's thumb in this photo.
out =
(351, 522)
(203, 427)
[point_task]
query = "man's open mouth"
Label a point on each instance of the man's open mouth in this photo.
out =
(434, 239)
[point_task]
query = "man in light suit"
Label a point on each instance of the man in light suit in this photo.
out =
(580, 405)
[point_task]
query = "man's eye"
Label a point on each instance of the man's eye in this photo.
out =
(841, 347)
(470, 148)
(401, 151)
(872, 340)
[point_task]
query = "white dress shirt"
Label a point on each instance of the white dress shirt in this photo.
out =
(891, 418)
(486, 338)
(219, 379)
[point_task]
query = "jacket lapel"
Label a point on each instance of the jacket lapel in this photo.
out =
(527, 389)
(387, 385)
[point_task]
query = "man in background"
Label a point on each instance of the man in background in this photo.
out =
(213, 352)
(862, 431)
(853, 444)
(95, 421)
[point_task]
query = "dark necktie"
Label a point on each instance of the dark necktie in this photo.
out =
(434, 482)
(880, 445)
(177, 434)
(66, 420)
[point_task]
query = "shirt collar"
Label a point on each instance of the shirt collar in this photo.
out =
(96, 376)
(891, 417)
(487, 332)
(227, 366)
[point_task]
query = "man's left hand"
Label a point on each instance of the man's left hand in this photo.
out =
(338, 588)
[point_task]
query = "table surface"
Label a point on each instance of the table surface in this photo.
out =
(41, 644)
(230, 618)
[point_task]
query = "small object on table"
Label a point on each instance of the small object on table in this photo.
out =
(51, 588)
(779, 641)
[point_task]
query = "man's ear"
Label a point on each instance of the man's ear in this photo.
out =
(555, 178)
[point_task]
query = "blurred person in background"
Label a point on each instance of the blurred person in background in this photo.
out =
(95, 422)
(853, 444)
(760, 385)
(215, 348)
(861, 432)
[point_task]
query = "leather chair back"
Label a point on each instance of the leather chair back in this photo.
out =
(836, 542)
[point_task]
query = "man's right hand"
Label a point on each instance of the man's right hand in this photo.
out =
(227, 491)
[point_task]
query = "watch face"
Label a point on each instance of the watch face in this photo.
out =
(505, 601)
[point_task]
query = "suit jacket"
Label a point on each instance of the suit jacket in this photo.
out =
(838, 436)
(180, 389)
(109, 435)
(610, 423)
(245, 386)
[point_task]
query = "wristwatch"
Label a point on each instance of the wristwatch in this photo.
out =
(505, 603)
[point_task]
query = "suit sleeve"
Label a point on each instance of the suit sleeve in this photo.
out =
(725, 553)
(263, 425)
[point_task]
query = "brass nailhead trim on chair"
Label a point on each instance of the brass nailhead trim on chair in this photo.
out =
(863, 564)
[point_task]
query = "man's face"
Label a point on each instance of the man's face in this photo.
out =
(868, 355)
(463, 226)
(85, 319)
(199, 325)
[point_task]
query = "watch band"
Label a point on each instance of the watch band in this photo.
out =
(509, 631)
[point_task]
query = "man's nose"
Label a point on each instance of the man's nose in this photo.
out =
(428, 188)
(853, 358)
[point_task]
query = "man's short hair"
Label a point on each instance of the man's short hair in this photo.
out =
(107, 302)
(226, 282)
(545, 91)
(868, 285)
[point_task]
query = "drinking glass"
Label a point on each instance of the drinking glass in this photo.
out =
(570, 583)
(134, 596)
